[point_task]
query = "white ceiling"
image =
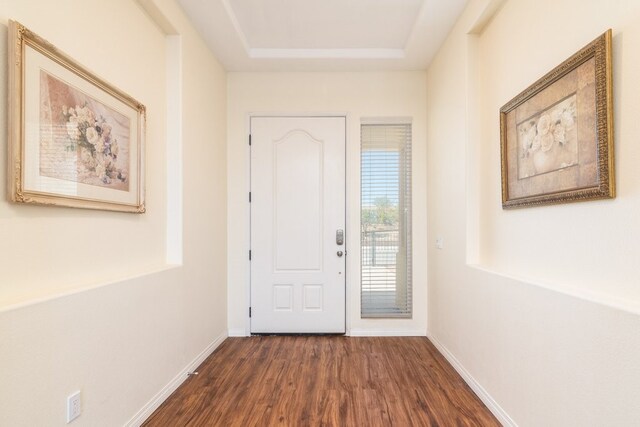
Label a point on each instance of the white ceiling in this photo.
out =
(323, 35)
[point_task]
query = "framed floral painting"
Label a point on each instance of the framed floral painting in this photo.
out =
(556, 137)
(74, 139)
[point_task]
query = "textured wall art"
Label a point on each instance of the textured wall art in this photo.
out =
(557, 136)
(75, 140)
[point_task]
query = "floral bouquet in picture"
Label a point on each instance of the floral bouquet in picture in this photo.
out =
(549, 141)
(90, 136)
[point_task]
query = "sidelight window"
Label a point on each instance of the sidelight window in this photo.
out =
(385, 219)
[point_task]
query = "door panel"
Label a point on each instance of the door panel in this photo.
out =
(298, 204)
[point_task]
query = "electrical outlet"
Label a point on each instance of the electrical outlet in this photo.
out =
(439, 243)
(74, 407)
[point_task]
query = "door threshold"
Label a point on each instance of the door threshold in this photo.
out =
(296, 334)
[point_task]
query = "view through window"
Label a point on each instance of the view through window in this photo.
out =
(385, 220)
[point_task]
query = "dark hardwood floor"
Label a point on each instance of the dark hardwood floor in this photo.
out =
(324, 381)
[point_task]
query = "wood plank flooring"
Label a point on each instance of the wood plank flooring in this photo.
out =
(324, 381)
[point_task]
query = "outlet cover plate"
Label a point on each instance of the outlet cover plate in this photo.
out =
(74, 407)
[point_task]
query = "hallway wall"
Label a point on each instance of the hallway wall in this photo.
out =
(540, 306)
(88, 299)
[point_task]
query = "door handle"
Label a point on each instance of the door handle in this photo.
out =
(339, 237)
(339, 253)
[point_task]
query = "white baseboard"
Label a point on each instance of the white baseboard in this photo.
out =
(353, 333)
(238, 333)
(166, 391)
(486, 398)
(385, 333)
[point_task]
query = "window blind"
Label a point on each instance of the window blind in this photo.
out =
(385, 220)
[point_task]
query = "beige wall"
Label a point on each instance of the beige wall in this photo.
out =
(87, 299)
(60, 241)
(602, 237)
(363, 94)
(539, 306)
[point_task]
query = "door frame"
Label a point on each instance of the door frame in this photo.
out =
(347, 207)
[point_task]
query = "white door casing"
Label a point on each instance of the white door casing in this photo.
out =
(297, 207)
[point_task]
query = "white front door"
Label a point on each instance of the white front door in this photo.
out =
(297, 215)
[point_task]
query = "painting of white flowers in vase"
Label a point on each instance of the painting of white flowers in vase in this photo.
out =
(81, 139)
(556, 136)
(548, 141)
(75, 140)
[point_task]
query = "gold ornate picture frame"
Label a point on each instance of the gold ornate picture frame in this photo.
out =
(74, 139)
(556, 137)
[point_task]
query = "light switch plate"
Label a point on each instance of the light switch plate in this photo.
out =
(439, 243)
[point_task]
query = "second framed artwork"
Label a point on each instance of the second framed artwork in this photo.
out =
(556, 137)
(74, 140)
